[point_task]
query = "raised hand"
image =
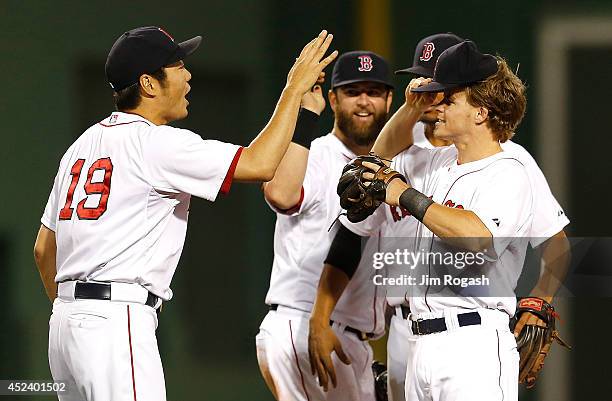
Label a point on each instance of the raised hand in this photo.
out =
(313, 100)
(421, 100)
(308, 66)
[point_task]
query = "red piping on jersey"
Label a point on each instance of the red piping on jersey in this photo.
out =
(227, 182)
(129, 122)
(298, 362)
(131, 353)
(296, 207)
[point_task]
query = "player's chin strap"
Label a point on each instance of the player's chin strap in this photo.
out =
(336, 220)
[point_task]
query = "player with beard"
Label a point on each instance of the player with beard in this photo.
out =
(303, 194)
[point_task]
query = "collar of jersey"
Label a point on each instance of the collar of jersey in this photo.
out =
(119, 117)
(346, 152)
(476, 164)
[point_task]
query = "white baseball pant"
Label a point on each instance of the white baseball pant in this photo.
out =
(471, 363)
(282, 353)
(105, 350)
(400, 346)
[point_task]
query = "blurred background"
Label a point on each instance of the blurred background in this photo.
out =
(53, 88)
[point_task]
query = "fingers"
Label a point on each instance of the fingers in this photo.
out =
(307, 47)
(340, 352)
(372, 166)
(323, 47)
(312, 48)
(321, 78)
(329, 373)
(520, 324)
(416, 82)
(316, 365)
(327, 60)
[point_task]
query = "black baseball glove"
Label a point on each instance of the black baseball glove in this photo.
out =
(534, 340)
(380, 381)
(359, 196)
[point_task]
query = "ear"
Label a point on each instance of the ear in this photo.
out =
(389, 100)
(148, 85)
(333, 99)
(482, 113)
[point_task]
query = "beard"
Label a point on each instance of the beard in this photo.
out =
(360, 133)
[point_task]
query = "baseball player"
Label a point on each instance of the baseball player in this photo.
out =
(115, 222)
(481, 199)
(303, 193)
(546, 231)
(548, 224)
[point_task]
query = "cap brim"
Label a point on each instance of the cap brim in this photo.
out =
(190, 45)
(416, 70)
(352, 81)
(434, 87)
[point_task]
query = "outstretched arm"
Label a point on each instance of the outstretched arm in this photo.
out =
(259, 160)
(284, 190)
(396, 135)
(459, 227)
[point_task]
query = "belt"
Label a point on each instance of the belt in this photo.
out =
(103, 291)
(430, 326)
(360, 334)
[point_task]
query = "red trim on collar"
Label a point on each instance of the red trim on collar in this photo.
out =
(227, 182)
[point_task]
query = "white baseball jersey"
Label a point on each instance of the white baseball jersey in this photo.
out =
(548, 218)
(302, 241)
(497, 189)
(120, 200)
(418, 136)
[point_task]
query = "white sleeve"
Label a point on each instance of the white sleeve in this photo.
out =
(417, 164)
(413, 161)
(49, 217)
(504, 204)
(312, 186)
(549, 217)
(181, 160)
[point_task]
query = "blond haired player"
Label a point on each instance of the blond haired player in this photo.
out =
(303, 193)
(481, 200)
(114, 226)
(546, 232)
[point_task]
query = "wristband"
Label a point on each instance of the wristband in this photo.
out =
(306, 128)
(415, 202)
(345, 251)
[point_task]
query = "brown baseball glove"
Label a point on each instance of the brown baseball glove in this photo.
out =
(533, 341)
(359, 196)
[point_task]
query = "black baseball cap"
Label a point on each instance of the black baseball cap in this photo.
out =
(144, 50)
(360, 66)
(427, 52)
(459, 66)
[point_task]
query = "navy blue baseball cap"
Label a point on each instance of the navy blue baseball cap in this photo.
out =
(460, 66)
(427, 52)
(144, 50)
(360, 66)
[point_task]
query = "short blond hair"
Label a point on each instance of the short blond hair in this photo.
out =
(503, 94)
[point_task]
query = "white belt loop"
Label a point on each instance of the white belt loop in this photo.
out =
(65, 290)
(128, 292)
